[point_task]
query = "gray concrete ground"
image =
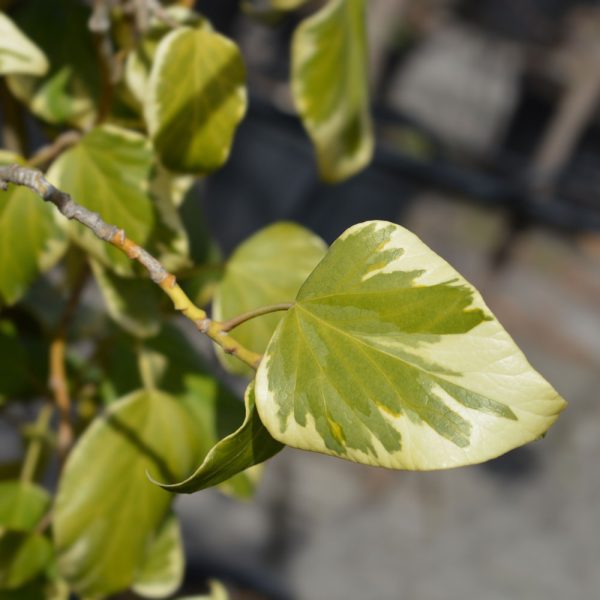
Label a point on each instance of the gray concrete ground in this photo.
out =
(526, 526)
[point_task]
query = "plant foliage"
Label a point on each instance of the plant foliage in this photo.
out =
(374, 350)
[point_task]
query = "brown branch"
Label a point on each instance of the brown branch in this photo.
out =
(58, 375)
(35, 181)
(48, 153)
(157, 10)
(60, 392)
(99, 25)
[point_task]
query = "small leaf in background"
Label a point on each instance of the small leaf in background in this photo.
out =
(161, 574)
(22, 557)
(250, 445)
(389, 357)
(18, 54)
(330, 87)
(31, 238)
(23, 552)
(217, 592)
(134, 304)
(196, 98)
(267, 268)
(41, 588)
(178, 369)
(139, 60)
(69, 91)
(22, 505)
(108, 172)
(107, 516)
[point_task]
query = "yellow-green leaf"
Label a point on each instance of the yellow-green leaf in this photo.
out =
(18, 54)
(249, 445)
(139, 60)
(330, 87)
(23, 552)
(196, 98)
(106, 517)
(31, 238)
(22, 505)
(108, 172)
(23, 555)
(161, 573)
(390, 357)
(267, 268)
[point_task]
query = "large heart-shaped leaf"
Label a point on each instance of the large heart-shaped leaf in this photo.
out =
(71, 88)
(108, 172)
(268, 268)
(250, 445)
(31, 239)
(196, 98)
(389, 357)
(330, 87)
(162, 571)
(106, 516)
(18, 54)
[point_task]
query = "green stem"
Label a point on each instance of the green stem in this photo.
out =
(230, 324)
(34, 450)
(145, 368)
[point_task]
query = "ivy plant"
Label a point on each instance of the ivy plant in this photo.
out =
(373, 350)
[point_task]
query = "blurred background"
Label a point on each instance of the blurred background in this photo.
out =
(488, 132)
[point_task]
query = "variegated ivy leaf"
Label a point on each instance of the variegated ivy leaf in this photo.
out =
(267, 268)
(108, 172)
(330, 87)
(249, 445)
(389, 357)
(196, 98)
(18, 54)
